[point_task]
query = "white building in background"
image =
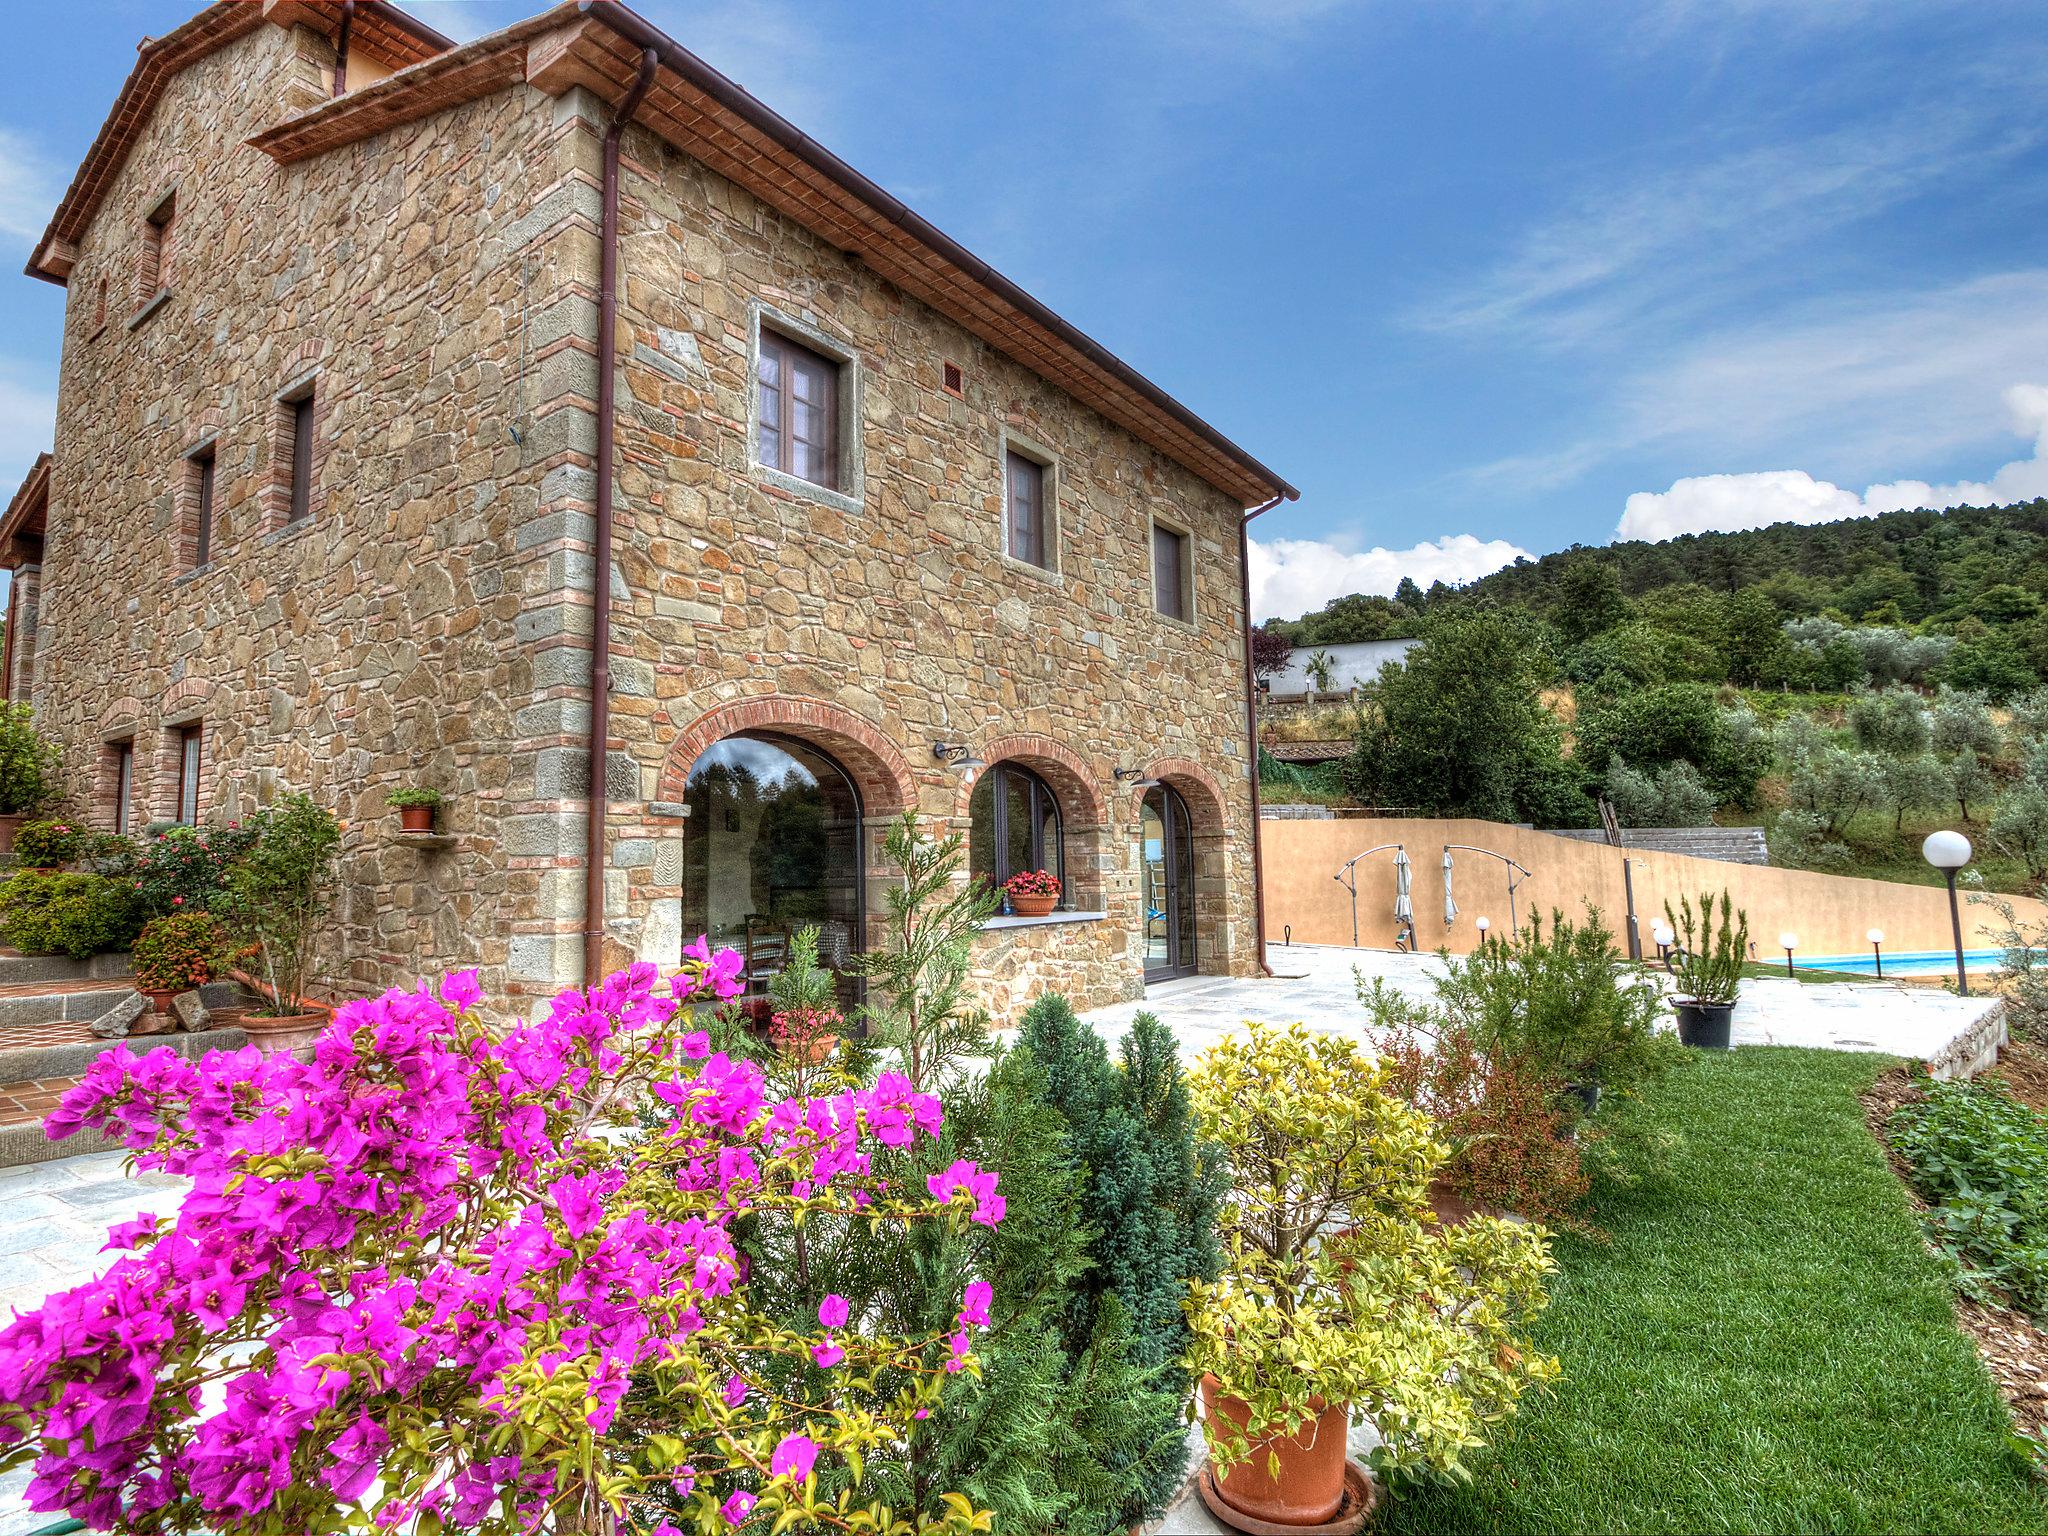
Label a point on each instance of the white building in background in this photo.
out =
(1354, 665)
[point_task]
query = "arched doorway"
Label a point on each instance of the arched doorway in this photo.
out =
(1166, 858)
(773, 844)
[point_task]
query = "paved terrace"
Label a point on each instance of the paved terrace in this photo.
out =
(1314, 984)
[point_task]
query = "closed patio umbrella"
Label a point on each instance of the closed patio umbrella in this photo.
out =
(1450, 901)
(1404, 901)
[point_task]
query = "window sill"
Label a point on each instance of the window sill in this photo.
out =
(163, 297)
(1050, 575)
(195, 573)
(809, 490)
(1187, 624)
(1051, 919)
(291, 530)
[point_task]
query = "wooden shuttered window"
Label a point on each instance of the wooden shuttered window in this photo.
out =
(1170, 576)
(1024, 494)
(798, 409)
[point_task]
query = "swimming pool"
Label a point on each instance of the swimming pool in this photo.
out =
(1905, 962)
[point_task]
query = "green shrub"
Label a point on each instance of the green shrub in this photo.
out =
(67, 914)
(1563, 1004)
(28, 762)
(1980, 1161)
(176, 952)
(1149, 1198)
(183, 869)
(1708, 956)
(49, 844)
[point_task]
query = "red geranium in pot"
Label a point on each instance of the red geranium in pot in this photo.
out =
(1032, 892)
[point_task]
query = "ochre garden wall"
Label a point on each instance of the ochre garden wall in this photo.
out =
(1830, 913)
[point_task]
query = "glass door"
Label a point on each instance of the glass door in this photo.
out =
(1167, 853)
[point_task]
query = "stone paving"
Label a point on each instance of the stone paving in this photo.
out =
(1314, 984)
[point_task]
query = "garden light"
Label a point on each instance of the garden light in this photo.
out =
(1876, 937)
(1788, 942)
(1949, 852)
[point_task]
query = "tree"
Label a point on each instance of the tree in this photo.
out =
(1969, 779)
(1757, 649)
(2019, 829)
(1676, 797)
(1671, 723)
(1962, 721)
(1459, 728)
(1270, 652)
(1589, 600)
(1409, 595)
(1834, 785)
(1891, 720)
(1993, 665)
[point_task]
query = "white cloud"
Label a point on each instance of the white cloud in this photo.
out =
(1292, 576)
(28, 415)
(1723, 503)
(30, 187)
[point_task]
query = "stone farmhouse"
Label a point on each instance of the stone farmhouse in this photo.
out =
(546, 421)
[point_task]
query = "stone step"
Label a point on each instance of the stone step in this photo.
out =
(17, 968)
(53, 1002)
(34, 1077)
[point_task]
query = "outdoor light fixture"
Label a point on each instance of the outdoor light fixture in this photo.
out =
(1788, 942)
(1876, 937)
(1949, 852)
(1484, 924)
(959, 756)
(1661, 935)
(1137, 777)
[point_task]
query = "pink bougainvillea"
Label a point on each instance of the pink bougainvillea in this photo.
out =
(475, 1276)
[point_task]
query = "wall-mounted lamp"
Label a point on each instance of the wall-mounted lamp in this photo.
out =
(959, 756)
(1136, 777)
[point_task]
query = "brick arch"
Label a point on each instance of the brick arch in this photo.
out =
(182, 694)
(877, 768)
(1199, 790)
(1062, 768)
(123, 715)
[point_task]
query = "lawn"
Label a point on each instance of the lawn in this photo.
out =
(1763, 1345)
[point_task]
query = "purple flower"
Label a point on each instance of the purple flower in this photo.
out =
(738, 1507)
(974, 1304)
(832, 1312)
(827, 1355)
(794, 1457)
(461, 990)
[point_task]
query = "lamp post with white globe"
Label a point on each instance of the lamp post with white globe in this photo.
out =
(1949, 852)
(1876, 937)
(1788, 942)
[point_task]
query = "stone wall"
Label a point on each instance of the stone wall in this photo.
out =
(384, 640)
(431, 621)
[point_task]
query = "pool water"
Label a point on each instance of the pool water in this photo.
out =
(1911, 962)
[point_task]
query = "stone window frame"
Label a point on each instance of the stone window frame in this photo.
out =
(277, 487)
(852, 493)
(1154, 521)
(186, 500)
(1008, 441)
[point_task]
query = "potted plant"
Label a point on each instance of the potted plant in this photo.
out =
(275, 901)
(28, 770)
(1032, 892)
(805, 1020)
(1707, 960)
(174, 954)
(415, 808)
(1340, 1293)
(47, 846)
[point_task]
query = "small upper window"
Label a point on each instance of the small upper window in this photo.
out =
(200, 467)
(122, 774)
(1171, 583)
(799, 411)
(1026, 525)
(159, 248)
(299, 500)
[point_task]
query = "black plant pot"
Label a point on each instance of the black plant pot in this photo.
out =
(1704, 1024)
(1588, 1095)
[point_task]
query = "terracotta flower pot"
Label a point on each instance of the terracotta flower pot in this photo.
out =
(1310, 1487)
(812, 1051)
(1034, 906)
(416, 818)
(277, 1034)
(159, 998)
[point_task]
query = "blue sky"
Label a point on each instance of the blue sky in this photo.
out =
(1479, 276)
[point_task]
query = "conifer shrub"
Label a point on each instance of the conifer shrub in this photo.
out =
(1150, 1198)
(73, 914)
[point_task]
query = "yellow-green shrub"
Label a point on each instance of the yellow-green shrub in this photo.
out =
(1339, 1285)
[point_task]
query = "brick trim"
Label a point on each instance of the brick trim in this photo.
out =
(307, 381)
(183, 701)
(106, 793)
(123, 717)
(877, 768)
(1063, 769)
(1199, 789)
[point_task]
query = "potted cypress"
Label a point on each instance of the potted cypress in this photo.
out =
(1340, 1293)
(1707, 960)
(415, 807)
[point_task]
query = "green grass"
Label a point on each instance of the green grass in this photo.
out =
(1763, 1345)
(1804, 975)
